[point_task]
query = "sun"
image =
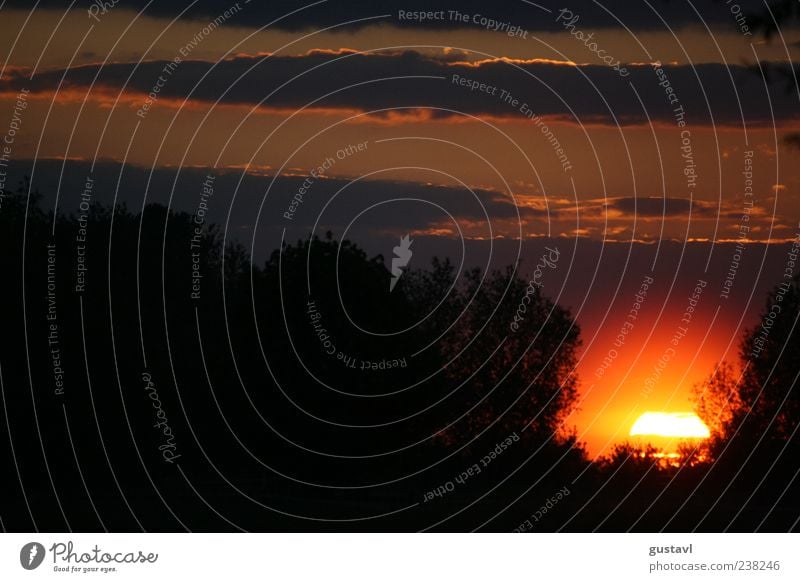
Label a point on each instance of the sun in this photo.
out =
(670, 424)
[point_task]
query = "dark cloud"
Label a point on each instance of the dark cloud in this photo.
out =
(533, 16)
(661, 206)
(257, 205)
(708, 93)
(259, 202)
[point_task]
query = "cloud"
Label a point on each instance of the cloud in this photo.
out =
(367, 209)
(534, 16)
(666, 207)
(512, 89)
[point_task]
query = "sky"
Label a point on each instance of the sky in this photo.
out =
(646, 143)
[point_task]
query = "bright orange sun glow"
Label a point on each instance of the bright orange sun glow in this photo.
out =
(670, 424)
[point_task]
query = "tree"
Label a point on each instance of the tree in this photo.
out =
(771, 402)
(717, 403)
(761, 403)
(509, 350)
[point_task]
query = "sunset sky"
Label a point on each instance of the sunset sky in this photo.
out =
(653, 171)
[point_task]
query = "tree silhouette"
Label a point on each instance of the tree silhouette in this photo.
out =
(513, 375)
(718, 403)
(759, 404)
(771, 402)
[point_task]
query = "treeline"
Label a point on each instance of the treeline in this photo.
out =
(154, 378)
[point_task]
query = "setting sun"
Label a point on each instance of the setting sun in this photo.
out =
(670, 424)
